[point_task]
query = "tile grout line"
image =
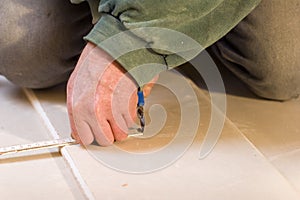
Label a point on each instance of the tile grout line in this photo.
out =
(263, 156)
(67, 157)
(232, 124)
(207, 98)
(251, 144)
(37, 106)
(76, 173)
(287, 153)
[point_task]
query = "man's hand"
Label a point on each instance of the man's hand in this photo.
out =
(101, 99)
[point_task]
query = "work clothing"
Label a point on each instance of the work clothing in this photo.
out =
(41, 40)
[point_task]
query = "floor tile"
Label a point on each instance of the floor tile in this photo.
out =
(272, 126)
(233, 170)
(42, 175)
(30, 175)
(53, 101)
(18, 118)
(289, 165)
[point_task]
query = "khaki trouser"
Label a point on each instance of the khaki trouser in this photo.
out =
(264, 49)
(41, 40)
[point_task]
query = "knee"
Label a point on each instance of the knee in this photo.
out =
(40, 52)
(36, 78)
(279, 84)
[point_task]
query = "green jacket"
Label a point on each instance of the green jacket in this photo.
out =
(161, 34)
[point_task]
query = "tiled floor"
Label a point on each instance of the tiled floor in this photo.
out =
(38, 175)
(256, 157)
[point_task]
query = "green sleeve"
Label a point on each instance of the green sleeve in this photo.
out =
(147, 37)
